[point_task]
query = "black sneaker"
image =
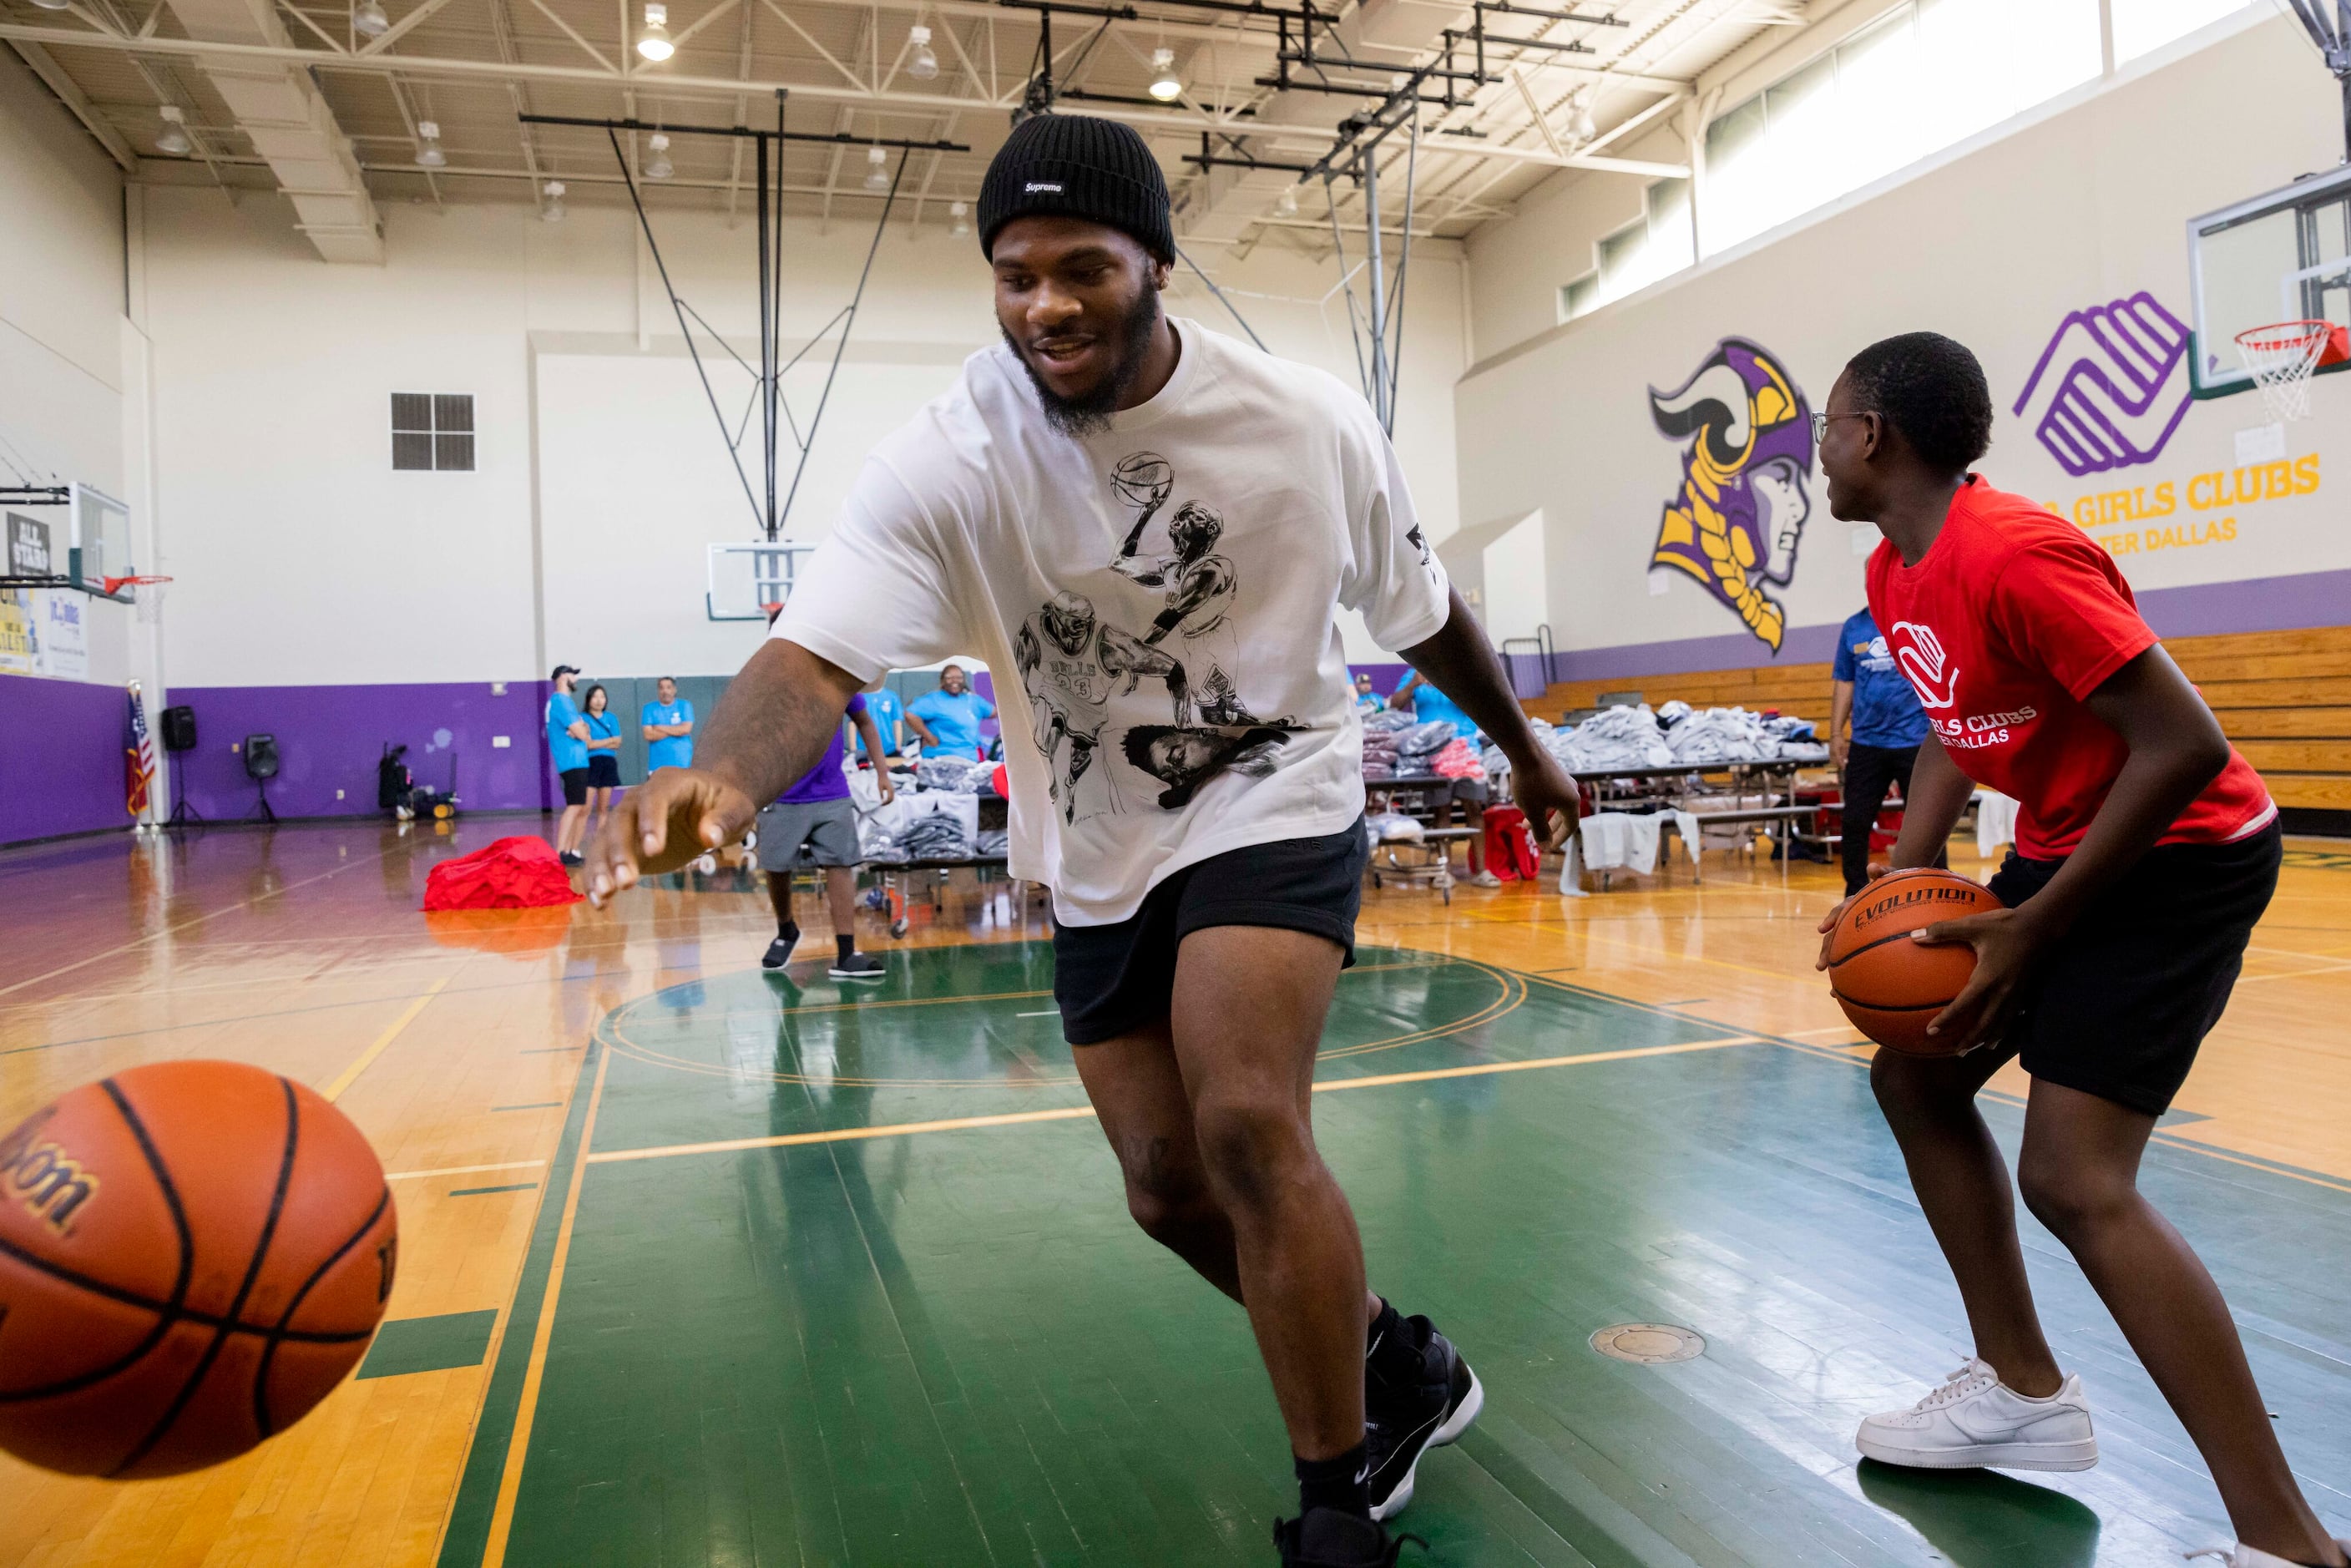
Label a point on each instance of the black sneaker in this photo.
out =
(1329, 1537)
(780, 951)
(857, 967)
(1404, 1418)
(570, 857)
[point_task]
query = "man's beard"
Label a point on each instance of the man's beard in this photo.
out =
(1090, 414)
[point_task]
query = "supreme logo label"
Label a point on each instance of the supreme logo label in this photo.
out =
(47, 1180)
(1054, 186)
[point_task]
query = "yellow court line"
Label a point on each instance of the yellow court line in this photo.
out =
(349, 1075)
(493, 1553)
(1081, 1112)
(2335, 968)
(1484, 1069)
(842, 1134)
(463, 1170)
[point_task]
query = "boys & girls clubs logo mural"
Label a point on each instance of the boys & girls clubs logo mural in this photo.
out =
(2108, 394)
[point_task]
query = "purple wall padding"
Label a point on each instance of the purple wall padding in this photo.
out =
(329, 738)
(60, 758)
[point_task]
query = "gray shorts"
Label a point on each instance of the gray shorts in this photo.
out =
(1469, 791)
(804, 833)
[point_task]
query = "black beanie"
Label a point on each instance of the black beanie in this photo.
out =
(1078, 166)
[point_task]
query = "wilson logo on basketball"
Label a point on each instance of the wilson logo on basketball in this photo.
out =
(50, 1182)
(1910, 898)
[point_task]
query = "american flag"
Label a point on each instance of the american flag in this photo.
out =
(138, 758)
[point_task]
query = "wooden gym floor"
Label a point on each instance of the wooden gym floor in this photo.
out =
(702, 1266)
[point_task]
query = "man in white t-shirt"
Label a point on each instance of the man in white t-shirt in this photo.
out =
(1156, 527)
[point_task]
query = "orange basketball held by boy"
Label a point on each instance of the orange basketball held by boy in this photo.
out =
(1890, 984)
(193, 1254)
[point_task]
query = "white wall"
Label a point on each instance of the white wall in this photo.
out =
(600, 476)
(2077, 207)
(65, 347)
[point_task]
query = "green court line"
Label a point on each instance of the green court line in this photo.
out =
(533, 1106)
(429, 1344)
(466, 1534)
(2162, 1136)
(477, 1191)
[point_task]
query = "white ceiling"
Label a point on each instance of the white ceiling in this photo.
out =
(475, 66)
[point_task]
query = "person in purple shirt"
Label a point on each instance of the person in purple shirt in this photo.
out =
(813, 823)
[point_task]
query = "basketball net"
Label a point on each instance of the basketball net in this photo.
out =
(2280, 358)
(146, 593)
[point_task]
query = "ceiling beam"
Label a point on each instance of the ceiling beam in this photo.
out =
(69, 93)
(728, 90)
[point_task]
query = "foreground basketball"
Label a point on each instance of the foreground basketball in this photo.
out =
(1888, 985)
(192, 1255)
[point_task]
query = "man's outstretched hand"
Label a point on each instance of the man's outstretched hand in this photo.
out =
(1542, 789)
(666, 822)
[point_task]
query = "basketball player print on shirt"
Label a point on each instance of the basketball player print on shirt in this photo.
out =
(1080, 669)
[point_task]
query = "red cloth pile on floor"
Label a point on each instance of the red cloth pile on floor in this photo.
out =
(519, 873)
(1510, 844)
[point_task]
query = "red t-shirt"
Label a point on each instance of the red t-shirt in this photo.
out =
(2014, 617)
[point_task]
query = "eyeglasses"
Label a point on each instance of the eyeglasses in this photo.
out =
(1821, 423)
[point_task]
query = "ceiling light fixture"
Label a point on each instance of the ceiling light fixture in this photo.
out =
(924, 64)
(1165, 85)
(658, 166)
(1584, 127)
(652, 38)
(1287, 204)
(53, 4)
(961, 212)
(428, 146)
(551, 211)
(877, 178)
(369, 21)
(173, 143)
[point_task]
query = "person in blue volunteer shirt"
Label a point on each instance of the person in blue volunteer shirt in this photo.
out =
(567, 750)
(603, 752)
(1430, 705)
(888, 713)
(1366, 698)
(947, 721)
(1870, 694)
(668, 722)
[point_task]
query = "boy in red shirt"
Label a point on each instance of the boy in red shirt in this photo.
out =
(2146, 851)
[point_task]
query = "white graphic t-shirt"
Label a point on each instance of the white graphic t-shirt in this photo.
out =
(1157, 604)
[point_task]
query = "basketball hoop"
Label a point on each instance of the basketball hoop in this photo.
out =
(2281, 358)
(146, 592)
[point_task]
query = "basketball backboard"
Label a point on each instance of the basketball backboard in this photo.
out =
(746, 580)
(102, 542)
(2284, 255)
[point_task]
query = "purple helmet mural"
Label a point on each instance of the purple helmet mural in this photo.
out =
(1740, 516)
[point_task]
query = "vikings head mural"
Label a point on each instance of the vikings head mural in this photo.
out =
(1740, 513)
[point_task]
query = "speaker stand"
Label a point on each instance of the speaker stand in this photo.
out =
(262, 813)
(182, 814)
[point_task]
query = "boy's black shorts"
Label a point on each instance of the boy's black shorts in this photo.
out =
(2120, 1008)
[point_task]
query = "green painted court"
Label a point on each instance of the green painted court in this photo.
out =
(897, 1314)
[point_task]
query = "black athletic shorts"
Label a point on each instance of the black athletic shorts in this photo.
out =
(575, 785)
(603, 772)
(2120, 1008)
(1110, 980)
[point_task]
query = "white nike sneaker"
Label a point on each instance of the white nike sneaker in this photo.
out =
(1975, 1421)
(2251, 1556)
